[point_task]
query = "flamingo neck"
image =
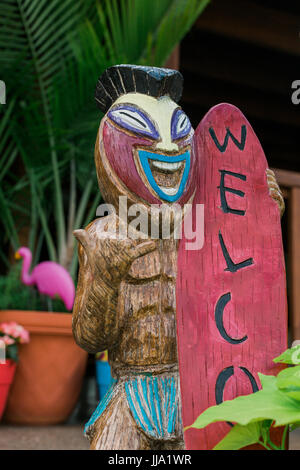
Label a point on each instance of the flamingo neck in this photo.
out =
(25, 276)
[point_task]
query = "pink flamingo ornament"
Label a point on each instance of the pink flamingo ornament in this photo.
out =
(50, 278)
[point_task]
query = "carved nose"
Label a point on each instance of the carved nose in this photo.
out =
(167, 146)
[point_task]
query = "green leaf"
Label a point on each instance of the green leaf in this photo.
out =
(265, 429)
(295, 426)
(288, 382)
(290, 356)
(12, 352)
(269, 403)
(268, 382)
(240, 436)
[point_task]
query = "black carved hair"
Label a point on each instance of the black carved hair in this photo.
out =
(121, 79)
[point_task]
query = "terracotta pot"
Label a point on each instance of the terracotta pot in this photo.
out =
(49, 372)
(7, 372)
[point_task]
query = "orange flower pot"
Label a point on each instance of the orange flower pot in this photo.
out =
(50, 371)
(7, 372)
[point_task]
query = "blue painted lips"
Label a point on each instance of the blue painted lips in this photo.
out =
(163, 193)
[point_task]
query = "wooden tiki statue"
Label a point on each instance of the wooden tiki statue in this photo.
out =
(135, 275)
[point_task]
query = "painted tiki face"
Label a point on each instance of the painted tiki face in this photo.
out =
(144, 144)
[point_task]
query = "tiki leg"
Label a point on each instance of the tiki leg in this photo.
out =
(116, 429)
(172, 445)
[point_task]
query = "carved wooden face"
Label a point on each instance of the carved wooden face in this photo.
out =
(147, 143)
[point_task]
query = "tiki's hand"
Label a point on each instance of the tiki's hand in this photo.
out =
(274, 190)
(112, 257)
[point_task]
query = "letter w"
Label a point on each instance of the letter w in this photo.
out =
(178, 459)
(223, 147)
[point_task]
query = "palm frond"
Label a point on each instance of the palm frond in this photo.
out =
(51, 55)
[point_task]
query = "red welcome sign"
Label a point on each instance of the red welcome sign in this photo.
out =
(231, 294)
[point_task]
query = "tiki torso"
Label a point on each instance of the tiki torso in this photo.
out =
(147, 313)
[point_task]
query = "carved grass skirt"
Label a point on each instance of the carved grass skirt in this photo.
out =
(154, 402)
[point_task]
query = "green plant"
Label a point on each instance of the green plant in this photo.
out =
(277, 404)
(18, 296)
(51, 54)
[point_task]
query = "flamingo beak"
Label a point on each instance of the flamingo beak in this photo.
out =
(17, 255)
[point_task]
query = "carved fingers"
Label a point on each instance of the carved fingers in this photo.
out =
(86, 241)
(142, 248)
(111, 258)
(274, 190)
(120, 254)
(82, 236)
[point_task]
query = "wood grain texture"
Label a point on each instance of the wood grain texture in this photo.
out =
(254, 313)
(125, 303)
(294, 265)
(289, 179)
(117, 427)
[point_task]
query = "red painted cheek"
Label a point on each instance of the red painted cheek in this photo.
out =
(119, 151)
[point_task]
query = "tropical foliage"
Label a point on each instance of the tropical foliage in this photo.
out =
(276, 404)
(51, 54)
(15, 296)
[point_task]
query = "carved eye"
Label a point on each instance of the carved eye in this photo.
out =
(134, 120)
(180, 125)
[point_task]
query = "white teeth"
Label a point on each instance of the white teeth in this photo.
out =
(169, 191)
(166, 165)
